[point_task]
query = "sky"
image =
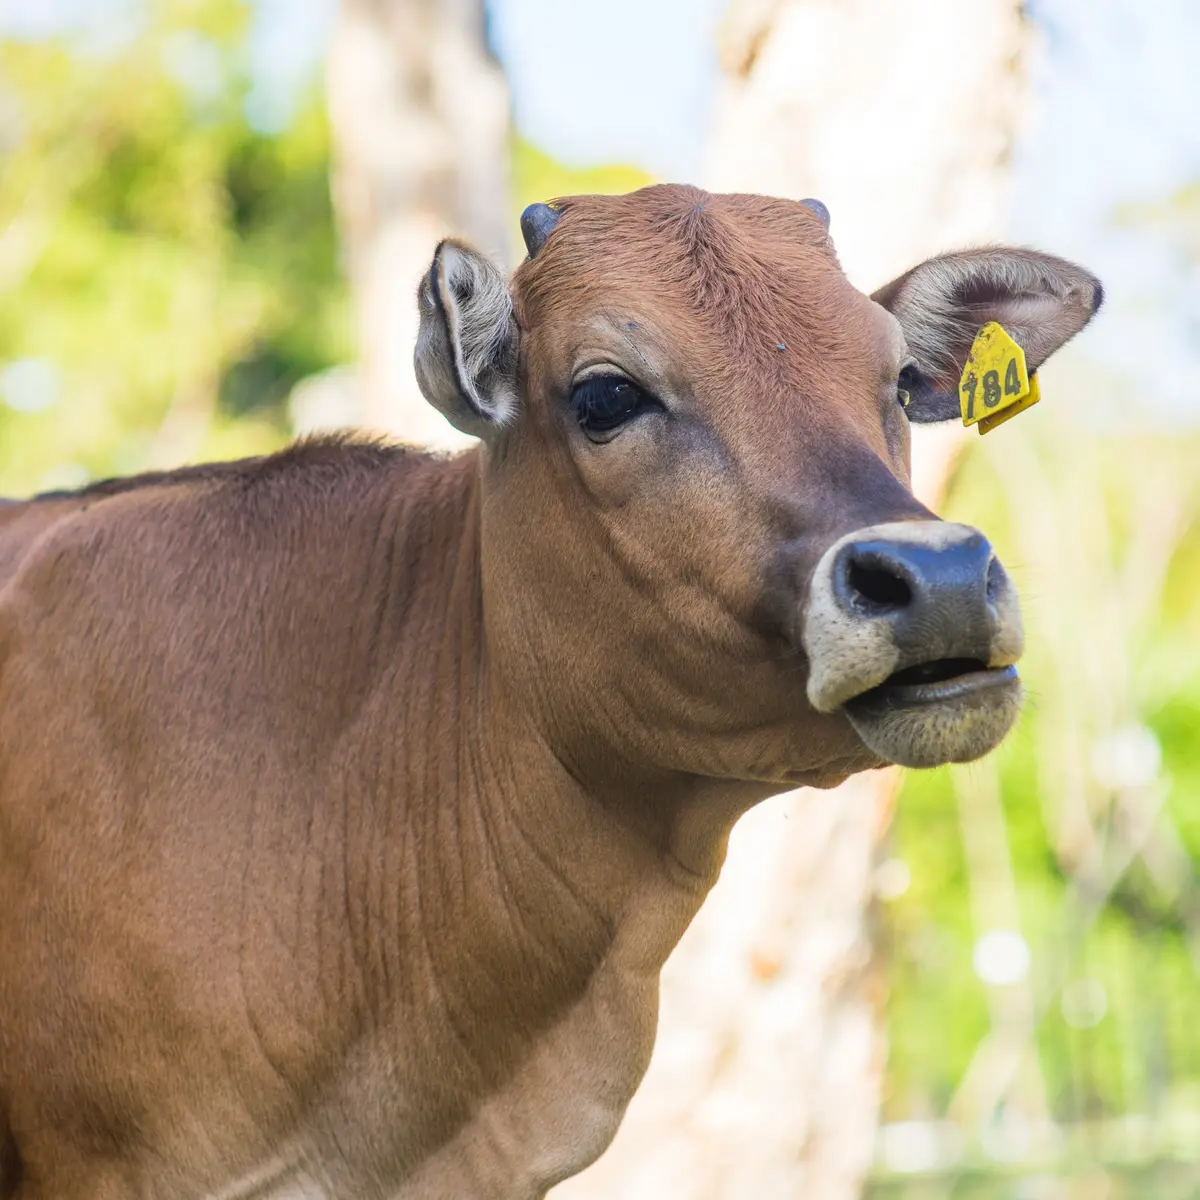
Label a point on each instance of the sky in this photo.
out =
(612, 80)
(592, 81)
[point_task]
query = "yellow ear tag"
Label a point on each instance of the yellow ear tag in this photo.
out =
(995, 384)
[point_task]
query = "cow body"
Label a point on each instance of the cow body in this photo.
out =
(335, 923)
(352, 799)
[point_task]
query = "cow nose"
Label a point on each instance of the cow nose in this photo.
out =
(936, 596)
(928, 599)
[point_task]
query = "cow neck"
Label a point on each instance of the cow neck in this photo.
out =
(619, 835)
(524, 872)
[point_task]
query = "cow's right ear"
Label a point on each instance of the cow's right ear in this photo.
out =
(466, 355)
(941, 305)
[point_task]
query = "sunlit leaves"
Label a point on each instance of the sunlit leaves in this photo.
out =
(152, 245)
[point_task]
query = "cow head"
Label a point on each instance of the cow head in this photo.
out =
(700, 547)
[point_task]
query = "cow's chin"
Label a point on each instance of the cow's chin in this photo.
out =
(927, 724)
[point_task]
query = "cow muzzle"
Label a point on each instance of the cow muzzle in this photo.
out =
(913, 630)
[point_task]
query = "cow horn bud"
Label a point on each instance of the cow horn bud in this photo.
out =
(536, 223)
(817, 207)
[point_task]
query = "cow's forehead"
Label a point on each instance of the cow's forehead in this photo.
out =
(751, 270)
(738, 258)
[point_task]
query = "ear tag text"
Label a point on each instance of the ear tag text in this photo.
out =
(995, 384)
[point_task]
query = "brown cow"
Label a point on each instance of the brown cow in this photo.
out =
(352, 799)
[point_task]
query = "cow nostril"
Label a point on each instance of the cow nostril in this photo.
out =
(878, 587)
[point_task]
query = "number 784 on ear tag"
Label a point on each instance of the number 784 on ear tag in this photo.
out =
(995, 384)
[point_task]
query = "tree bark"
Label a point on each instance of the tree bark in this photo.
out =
(419, 116)
(767, 1076)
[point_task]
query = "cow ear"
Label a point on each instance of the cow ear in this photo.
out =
(466, 355)
(1041, 300)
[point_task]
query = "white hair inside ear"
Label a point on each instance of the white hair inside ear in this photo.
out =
(466, 353)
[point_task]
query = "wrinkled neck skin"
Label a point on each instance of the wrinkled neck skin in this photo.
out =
(584, 745)
(557, 793)
(550, 798)
(549, 886)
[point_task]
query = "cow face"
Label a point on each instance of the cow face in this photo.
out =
(700, 544)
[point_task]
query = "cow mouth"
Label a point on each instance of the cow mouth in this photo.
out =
(948, 710)
(934, 682)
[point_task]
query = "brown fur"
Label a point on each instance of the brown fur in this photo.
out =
(351, 799)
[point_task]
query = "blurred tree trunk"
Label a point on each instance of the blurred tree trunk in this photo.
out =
(419, 116)
(767, 1076)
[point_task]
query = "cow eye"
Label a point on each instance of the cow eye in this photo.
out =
(907, 382)
(604, 403)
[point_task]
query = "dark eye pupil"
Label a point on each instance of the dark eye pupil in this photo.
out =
(907, 382)
(604, 402)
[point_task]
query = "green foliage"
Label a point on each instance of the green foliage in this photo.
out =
(167, 272)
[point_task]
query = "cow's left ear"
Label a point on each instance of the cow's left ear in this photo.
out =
(1041, 300)
(467, 345)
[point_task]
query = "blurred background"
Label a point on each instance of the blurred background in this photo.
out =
(973, 982)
